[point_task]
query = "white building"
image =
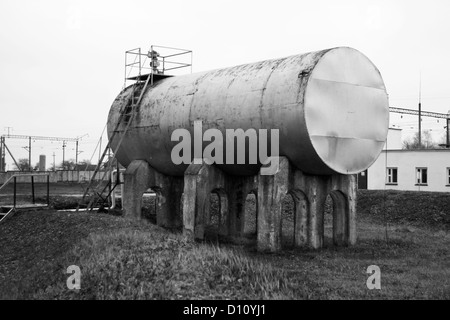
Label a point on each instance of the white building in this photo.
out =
(412, 170)
(394, 139)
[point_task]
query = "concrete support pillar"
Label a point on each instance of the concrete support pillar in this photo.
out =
(169, 191)
(138, 178)
(199, 181)
(136, 181)
(223, 212)
(343, 192)
(301, 219)
(271, 191)
(317, 194)
(352, 201)
(309, 193)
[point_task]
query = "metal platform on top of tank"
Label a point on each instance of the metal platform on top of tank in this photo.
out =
(156, 77)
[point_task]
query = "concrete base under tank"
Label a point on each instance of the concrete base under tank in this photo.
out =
(200, 180)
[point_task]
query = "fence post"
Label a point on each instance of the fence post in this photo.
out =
(48, 190)
(32, 189)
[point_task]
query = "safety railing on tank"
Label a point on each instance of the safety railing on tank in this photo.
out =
(158, 60)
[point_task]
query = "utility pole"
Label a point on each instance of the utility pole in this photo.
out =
(448, 131)
(29, 154)
(76, 149)
(436, 115)
(64, 154)
(420, 111)
(2, 154)
(54, 165)
(28, 148)
(10, 153)
(76, 154)
(9, 128)
(420, 125)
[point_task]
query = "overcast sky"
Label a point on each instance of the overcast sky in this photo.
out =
(62, 62)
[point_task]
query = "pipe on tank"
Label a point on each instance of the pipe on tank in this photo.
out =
(330, 106)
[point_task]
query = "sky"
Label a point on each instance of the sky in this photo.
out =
(62, 62)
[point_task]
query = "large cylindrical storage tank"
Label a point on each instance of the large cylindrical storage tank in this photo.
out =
(330, 106)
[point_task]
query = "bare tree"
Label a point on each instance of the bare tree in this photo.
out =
(413, 142)
(84, 162)
(22, 165)
(442, 142)
(67, 165)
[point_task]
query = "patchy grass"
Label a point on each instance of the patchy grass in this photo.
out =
(33, 245)
(159, 265)
(122, 259)
(420, 209)
(414, 265)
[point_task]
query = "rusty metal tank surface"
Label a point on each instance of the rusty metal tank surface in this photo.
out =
(330, 106)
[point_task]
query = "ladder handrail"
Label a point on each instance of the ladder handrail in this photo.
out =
(130, 120)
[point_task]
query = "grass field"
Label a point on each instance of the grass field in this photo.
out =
(122, 259)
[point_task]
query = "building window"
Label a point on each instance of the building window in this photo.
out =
(448, 177)
(392, 174)
(421, 176)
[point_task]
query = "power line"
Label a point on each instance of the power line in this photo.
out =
(34, 138)
(15, 136)
(421, 114)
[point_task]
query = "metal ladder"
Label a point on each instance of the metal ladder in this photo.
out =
(126, 116)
